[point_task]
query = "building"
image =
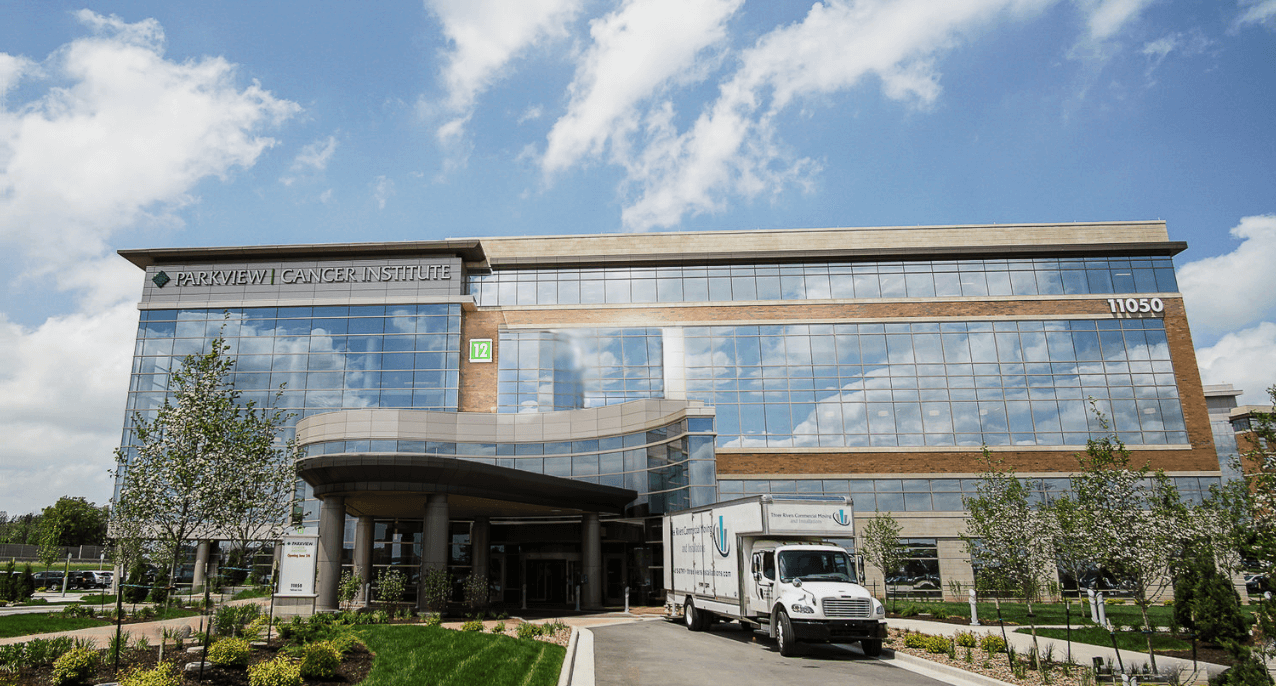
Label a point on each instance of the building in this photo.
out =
(526, 408)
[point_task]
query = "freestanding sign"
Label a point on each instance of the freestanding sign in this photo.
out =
(297, 566)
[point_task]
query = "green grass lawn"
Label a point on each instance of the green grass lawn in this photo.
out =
(1045, 613)
(408, 655)
(40, 623)
(1126, 640)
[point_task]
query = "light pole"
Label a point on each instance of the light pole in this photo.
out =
(66, 574)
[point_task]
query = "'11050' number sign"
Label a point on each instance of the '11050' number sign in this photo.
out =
(1136, 305)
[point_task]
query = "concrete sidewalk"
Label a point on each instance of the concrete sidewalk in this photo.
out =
(1082, 653)
(153, 631)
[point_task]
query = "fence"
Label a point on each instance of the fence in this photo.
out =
(31, 553)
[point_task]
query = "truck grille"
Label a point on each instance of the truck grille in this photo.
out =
(858, 608)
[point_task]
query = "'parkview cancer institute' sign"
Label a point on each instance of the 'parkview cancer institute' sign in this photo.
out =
(412, 279)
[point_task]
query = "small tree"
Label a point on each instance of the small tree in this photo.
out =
(879, 543)
(348, 588)
(436, 589)
(50, 550)
(1007, 538)
(1134, 524)
(136, 589)
(391, 585)
(476, 592)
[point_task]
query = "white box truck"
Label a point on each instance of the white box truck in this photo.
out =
(770, 562)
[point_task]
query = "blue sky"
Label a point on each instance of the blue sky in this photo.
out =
(149, 124)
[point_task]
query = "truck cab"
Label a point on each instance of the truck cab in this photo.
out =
(805, 592)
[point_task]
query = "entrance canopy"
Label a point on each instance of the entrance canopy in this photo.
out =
(397, 485)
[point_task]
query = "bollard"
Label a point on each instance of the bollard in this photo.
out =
(626, 600)
(974, 612)
(1094, 610)
(578, 597)
(524, 596)
(1103, 613)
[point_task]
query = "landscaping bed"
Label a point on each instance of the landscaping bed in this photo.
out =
(354, 668)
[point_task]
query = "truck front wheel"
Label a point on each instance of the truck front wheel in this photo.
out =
(784, 637)
(871, 648)
(695, 619)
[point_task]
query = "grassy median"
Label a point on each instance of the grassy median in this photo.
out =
(408, 655)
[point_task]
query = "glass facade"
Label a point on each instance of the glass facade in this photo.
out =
(671, 467)
(922, 495)
(325, 358)
(824, 281)
(868, 385)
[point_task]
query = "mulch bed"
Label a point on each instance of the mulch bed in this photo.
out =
(354, 668)
(1204, 652)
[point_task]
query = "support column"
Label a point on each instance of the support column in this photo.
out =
(364, 531)
(434, 540)
(480, 545)
(201, 562)
(591, 559)
(332, 529)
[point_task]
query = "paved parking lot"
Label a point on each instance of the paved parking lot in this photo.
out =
(666, 654)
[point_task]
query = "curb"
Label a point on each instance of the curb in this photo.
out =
(569, 660)
(941, 672)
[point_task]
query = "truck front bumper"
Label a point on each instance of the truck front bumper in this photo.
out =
(837, 630)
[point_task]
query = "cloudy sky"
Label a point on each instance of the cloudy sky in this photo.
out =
(159, 124)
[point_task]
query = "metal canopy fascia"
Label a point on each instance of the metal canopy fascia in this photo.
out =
(363, 474)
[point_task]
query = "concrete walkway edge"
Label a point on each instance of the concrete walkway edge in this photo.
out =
(942, 672)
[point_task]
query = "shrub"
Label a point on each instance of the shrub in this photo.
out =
(280, 671)
(75, 666)
(164, 674)
(436, 588)
(992, 643)
(917, 641)
(390, 585)
(529, 630)
(498, 628)
(348, 588)
(320, 660)
(136, 588)
(910, 610)
(472, 625)
(230, 652)
(434, 619)
(966, 639)
(159, 592)
(476, 591)
(939, 644)
(231, 620)
(939, 612)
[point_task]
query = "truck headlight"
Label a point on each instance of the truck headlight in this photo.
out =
(802, 609)
(879, 609)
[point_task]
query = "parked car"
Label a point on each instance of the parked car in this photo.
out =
(49, 579)
(1256, 584)
(100, 579)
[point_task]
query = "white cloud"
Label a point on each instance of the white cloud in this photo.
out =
(382, 190)
(122, 142)
(1193, 42)
(1246, 359)
(116, 138)
(1256, 12)
(62, 392)
(485, 35)
(1106, 18)
(1230, 291)
(732, 148)
(636, 49)
(312, 158)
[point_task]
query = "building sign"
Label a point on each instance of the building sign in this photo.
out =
(480, 350)
(277, 276)
(297, 566)
(1135, 306)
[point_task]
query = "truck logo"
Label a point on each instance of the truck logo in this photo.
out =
(720, 542)
(841, 518)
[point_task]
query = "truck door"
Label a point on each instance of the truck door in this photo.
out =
(761, 581)
(704, 555)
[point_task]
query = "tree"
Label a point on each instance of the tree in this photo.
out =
(1133, 524)
(77, 521)
(880, 545)
(1007, 538)
(50, 551)
(1253, 503)
(192, 469)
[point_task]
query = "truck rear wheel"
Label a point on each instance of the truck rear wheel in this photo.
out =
(871, 648)
(694, 618)
(784, 637)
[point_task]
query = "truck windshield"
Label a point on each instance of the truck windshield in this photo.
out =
(816, 565)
